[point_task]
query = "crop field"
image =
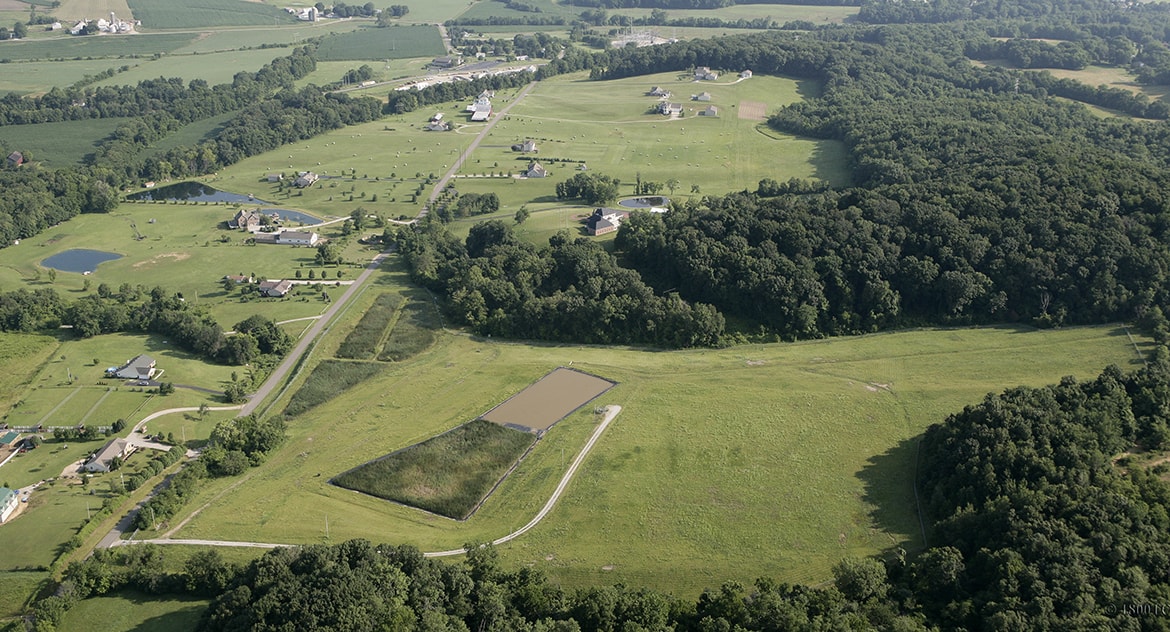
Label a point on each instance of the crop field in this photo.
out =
(376, 44)
(551, 399)
(414, 332)
(328, 380)
(196, 14)
(90, 9)
(774, 460)
(366, 338)
(134, 611)
(21, 357)
(449, 475)
(36, 77)
(236, 38)
(59, 144)
(110, 46)
(490, 8)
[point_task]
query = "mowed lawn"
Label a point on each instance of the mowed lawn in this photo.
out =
(761, 460)
(180, 252)
(134, 611)
(62, 144)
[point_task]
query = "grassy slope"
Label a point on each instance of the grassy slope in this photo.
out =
(61, 144)
(372, 43)
(134, 611)
(113, 46)
(762, 460)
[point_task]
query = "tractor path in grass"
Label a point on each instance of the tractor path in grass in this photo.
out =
(611, 412)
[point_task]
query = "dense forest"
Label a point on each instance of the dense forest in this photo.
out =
(1034, 523)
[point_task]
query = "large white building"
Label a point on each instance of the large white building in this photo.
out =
(9, 501)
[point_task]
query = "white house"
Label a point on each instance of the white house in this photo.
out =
(535, 170)
(116, 448)
(140, 368)
(275, 288)
(297, 238)
(9, 501)
(703, 73)
(747, 74)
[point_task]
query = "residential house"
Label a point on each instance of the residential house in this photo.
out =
(306, 179)
(140, 368)
(605, 220)
(447, 62)
(659, 92)
(535, 170)
(78, 28)
(704, 96)
(275, 288)
(15, 159)
(703, 73)
(297, 238)
(9, 439)
(238, 279)
(249, 220)
(275, 177)
(670, 109)
(116, 448)
(747, 74)
(481, 110)
(437, 126)
(528, 146)
(710, 110)
(9, 501)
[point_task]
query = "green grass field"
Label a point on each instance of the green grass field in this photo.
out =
(90, 9)
(198, 14)
(36, 77)
(779, 12)
(21, 358)
(109, 46)
(133, 611)
(448, 475)
(328, 380)
(59, 144)
(773, 460)
(52, 516)
(18, 586)
(376, 44)
(605, 123)
(214, 68)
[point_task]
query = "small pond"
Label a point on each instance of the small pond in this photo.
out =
(288, 217)
(653, 201)
(192, 192)
(79, 260)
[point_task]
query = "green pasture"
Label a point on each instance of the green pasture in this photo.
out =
(779, 12)
(197, 14)
(608, 124)
(18, 586)
(214, 68)
(488, 9)
(54, 513)
(134, 611)
(24, 77)
(61, 144)
(1113, 77)
(376, 44)
(111, 46)
(180, 251)
(191, 134)
(774, 460)
(440, 10)
(90, 9)
(21, 358)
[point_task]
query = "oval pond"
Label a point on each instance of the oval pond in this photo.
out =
(79, 260)
(192, 192)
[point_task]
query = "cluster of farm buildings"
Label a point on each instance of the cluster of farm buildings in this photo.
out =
(112, 25)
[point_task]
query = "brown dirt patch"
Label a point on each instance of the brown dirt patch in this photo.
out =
(177, 256)
(548, 401)
(753, 110)
(12, 5)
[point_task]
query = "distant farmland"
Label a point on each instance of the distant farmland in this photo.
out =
(67, 47)
(167, 14)
(398, 42)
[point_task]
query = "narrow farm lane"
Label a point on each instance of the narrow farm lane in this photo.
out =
(611, 412)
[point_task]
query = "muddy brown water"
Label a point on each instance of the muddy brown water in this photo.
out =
(549, 400)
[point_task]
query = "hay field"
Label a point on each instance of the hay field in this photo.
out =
(91, 9)
(62, 144)
(377, 44)
(773, 460)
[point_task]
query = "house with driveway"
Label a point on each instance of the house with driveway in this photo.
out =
(115, 448)
(9, 501)
(275, 289)
(140, 368)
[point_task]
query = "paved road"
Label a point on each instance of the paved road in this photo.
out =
(442, 184)
(308, 339)
(610, 413)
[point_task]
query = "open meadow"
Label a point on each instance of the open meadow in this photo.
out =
(376, 44)
(134, 611)
(197, 14)
(61, 144)
(774, 460)
(91, 9)
(384, 166)
(781, 13)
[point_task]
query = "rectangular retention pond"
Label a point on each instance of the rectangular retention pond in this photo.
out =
(549, 400)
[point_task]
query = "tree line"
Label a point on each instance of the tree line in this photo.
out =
(571, 290)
